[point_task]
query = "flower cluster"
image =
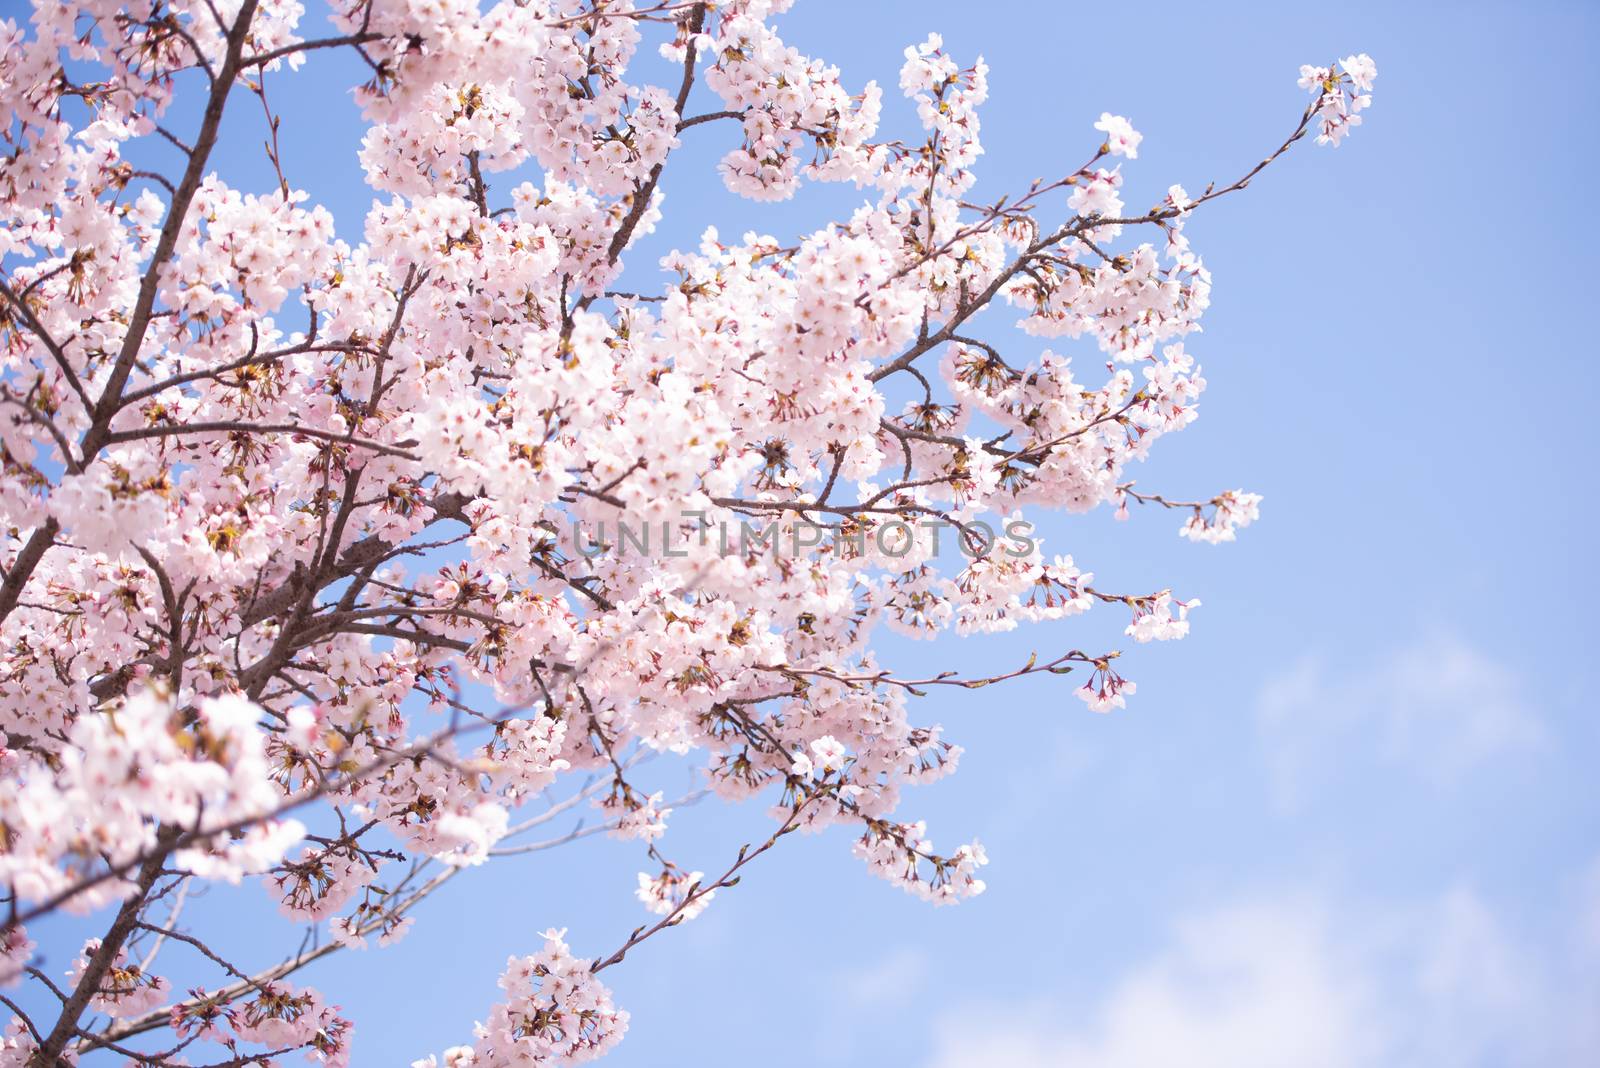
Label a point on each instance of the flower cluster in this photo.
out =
(555, 1012)
(669, 893)
(1342, 94)
(16, 950)
(281, 1017)
(1230, 511)
(125, 990)
(900, 854)
(129, 778)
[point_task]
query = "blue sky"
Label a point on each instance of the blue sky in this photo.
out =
(1351, 820)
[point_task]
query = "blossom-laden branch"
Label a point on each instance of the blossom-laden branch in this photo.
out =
(327, 560)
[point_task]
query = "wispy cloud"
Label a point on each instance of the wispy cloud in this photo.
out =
(1438, 709)
(861, 994)
(1589, 895)
(1297, 981)
(888, 982)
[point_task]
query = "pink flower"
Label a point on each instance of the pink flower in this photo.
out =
(1121, 138)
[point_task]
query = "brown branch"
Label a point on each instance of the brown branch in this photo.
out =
(643, 193)
(232, 426)
(66, 1026)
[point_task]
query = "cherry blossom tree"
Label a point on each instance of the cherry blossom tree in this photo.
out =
(338, 565)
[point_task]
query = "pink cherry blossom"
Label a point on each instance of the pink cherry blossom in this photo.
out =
(1121, 138)
(352, 554)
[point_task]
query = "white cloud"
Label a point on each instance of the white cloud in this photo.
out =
(862, 995)
(889, 982)
(1274, 983)
(1255, 985)
(1589, 898)
(1438, 708)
